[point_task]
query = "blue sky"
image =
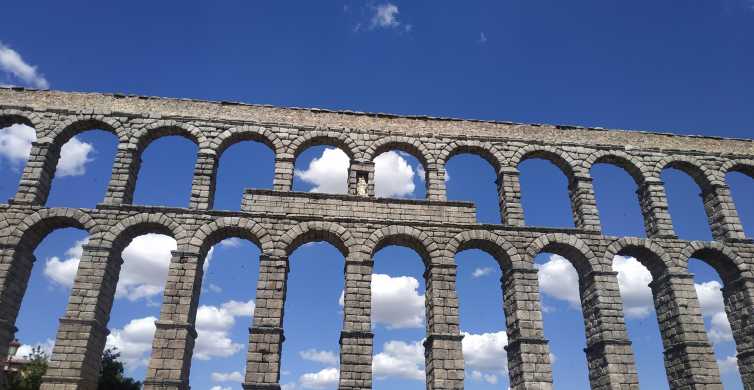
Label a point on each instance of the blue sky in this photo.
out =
(669, 66)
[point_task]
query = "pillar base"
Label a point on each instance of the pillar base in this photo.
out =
(164, 384)
(260, 386)
(66, 383)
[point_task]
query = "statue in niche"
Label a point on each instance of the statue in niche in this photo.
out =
(361, 186)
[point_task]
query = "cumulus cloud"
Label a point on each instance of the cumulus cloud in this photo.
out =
(728, 365)
(25, 350)
(480, 376)
(385, 16)
(213, 325)
(558, 279)
(74, 155)
(13, 65)
(328, 173)
(15, 143)
(633, 281)
(235, 376)
(324, 379)
(145, 266)
(232, 242)
(324, 357)
(396, 302)
(134, 341)
(216, 387)
(485, 353)
(393, 176)
(479, 272)
(63, 272)
(713, 307)
(399, 359)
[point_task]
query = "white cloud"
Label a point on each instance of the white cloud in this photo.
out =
(134, 341)
(12, 64)
(633, 281)
(215, 288)
(396, 302)
(324, 357)
(288, 386)
(324, 379)
(479, 272)
(25, 350)
(713, 307)
(74, 155)
(393, 176)
(400, 360)
(486, 352)
(15, 143)
(145, 266)
(232, 242)
(728, 365)
(220, 388)
(480, 376)
(63, 272)
(385, 16)
(213, 325)
(234, 376)
(558, 279)
(328, 173)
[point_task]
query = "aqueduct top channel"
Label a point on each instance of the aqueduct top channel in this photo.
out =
(358, 224)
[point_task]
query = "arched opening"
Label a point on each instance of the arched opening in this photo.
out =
(683, 188)
(470, 177)
(615, 190)
(399, 172)
(563, 319)
(398, 318)
(49, 284)
(243, 165)
(83, 170)
(166, 173)
(16, 136)
(313, 313)
(138, 297)
(226, 307)
(322, 169)
(544, 192)
(482, 319)
(741, 185)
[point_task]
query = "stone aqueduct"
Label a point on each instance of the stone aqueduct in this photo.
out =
(359, 224)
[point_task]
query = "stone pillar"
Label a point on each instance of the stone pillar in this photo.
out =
(654, 207)
(583, 204)
(123, 179)
(356, 338)
(739, 306)
(436, 187)
(81, 336)
(529, 365)
(266, 334)
(283, 180)
(608, 348)
(689, 358)
(38, 173)
(9, 303)
(361, 178)
(174, 338)
(509, 196)
(443, 351)
(722, 214)
(203, 183)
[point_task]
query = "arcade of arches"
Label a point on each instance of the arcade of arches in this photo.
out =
(359, 224)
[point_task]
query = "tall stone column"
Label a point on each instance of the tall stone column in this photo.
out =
(443, 351)
(283, 180)
(654, 207)
(722, 214)
(436, 186)
(529, 366)
(123, 179)
(583, 204)
(739, 306)
(689, 358)
(361, 178)
(9, 303)
(608, 347)
(509, 196)
(356, 338)
(173, 343)
(266, 334)
(36, 179)
(203, 183)
(81, 336)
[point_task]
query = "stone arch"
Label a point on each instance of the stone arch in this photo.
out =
(405, 144)
(704, 177)
(648, 253)
(12, 117)
(628, 163)
(723, 259)
(506, 254)
(163, 128)
(557, 156)
(213, 232)
(323, 137)
(305, 232)
(82, 123)
(742, 166)
(405, 236)
(485, 150)
(234, 135)
(121, 234)
(28, 233)
(570, 247)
